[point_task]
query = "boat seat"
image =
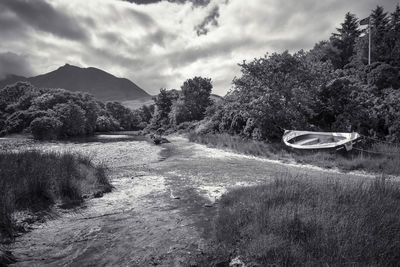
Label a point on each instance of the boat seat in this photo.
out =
(308, 141)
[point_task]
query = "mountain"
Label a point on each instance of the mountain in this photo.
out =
(99, 83)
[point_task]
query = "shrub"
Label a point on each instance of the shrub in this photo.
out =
(72, 118)
(32, 180)
(45, 128)
(105, 123)
(383, 76)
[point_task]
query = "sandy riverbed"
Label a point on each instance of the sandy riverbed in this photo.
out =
(161, 210)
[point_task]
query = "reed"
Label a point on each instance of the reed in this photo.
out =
(35, 181)
(296, 221)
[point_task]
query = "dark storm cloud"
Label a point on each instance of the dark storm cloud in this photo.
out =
(210, 20)
(194, 2)
(42, 16)
(10, 26)
(11, 63)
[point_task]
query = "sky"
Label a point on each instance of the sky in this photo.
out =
(161, 43)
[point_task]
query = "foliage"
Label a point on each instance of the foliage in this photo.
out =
(345, 40)
(126, 119)
(46, 128)
(196, 97)
(72, 118)
(329, 88)
(273, 93)
(106, 123)
(173, 107)
(79, 113)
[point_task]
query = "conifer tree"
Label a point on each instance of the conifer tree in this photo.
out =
(379, 32)
(345, 39)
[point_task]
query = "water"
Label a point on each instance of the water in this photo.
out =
(162, 207)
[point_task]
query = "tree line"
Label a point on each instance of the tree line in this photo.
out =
(330, 88)
(58, 113)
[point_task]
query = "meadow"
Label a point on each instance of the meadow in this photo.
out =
(378, 158)
(295, 221)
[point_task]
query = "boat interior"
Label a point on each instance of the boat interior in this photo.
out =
(313, 139)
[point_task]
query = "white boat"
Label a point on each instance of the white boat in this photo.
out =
(319, 140)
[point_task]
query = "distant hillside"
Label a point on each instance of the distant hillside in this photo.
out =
(99, 83)
(138, 103)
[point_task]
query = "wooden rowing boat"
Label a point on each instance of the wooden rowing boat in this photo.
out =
(319, 140)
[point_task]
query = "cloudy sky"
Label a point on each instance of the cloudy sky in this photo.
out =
(158, 43)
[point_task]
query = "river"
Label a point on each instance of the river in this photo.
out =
(161, 210)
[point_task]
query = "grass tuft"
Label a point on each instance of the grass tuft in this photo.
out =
(34, 181)
(299, 222)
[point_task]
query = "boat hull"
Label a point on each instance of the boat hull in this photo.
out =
(319, 140)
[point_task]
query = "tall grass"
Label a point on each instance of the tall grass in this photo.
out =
(380, 158)
(34, 181)
(299, 222)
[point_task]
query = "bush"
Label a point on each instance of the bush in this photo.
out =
(72, 118)
(105, 124)
(383, 76)
(45, 128)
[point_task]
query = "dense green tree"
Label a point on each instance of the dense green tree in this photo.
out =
(379, 31)
(196, 96)
(125, 117)
(106, 123)
(163, 105)
(273, 93)
(146, 113)
(393, 38)
(72, 118)
(345, 40)
(324, 51)
(179, 113)
(382, 75)
(45, 128)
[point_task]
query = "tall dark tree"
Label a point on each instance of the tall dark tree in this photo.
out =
(163, 104)
(379, 32)
(393, 38)
(345, 40)
(196, 96)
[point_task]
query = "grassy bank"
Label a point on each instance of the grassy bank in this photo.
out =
(384, 159)
(35, 181)
(298, 222)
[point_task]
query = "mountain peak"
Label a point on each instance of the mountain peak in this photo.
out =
(100, 84)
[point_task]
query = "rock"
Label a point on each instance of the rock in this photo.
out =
(97, 194)
(158, 140)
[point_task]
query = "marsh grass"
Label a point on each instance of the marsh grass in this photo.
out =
(381, 158)
(299, 222)
(35, 181)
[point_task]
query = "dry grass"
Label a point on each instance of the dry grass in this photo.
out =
(298, 222)
(34, 181)
(385, 159)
